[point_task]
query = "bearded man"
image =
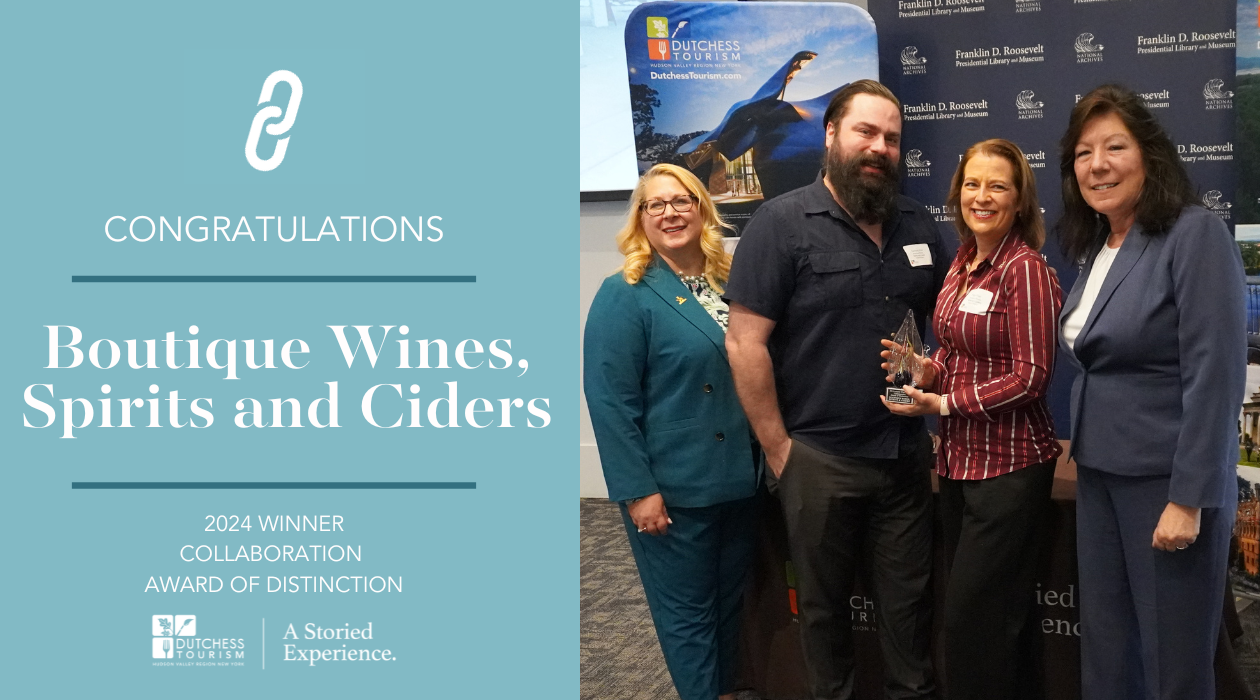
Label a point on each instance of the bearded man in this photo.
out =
(820, 276)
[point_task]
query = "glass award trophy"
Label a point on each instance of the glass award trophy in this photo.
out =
(905, 361)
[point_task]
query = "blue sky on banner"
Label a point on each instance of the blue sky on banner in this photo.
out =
(768, 35)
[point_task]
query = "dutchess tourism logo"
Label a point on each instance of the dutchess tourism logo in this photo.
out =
(1216, 97)
(1086, 50)
(176, 643)
(916, 166)
(911, 62)
(165, 627)
(677, 44)
(658, 38)
(1212, 202)
(1028, 107)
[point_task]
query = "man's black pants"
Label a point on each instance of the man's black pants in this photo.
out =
(843, 514)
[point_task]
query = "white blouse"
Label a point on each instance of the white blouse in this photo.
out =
(1075, 321)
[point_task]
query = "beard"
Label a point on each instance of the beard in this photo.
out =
(869, 198)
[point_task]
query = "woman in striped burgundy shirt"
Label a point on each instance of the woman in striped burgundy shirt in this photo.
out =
(997, 322)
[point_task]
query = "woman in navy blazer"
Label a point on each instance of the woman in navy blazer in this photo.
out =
(673, 441)
(1155, 326)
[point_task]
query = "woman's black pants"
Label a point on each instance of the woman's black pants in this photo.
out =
(992, 545)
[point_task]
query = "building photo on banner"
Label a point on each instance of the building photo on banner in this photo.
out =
(722, 104)
(1245, 562)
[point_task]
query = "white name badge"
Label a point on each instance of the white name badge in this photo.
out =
(920, 255)
(976, 302)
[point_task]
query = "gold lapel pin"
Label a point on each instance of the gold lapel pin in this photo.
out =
(681, 299)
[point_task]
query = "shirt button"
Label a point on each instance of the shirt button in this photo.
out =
(886, 299)
(720, 437)
(708, 388)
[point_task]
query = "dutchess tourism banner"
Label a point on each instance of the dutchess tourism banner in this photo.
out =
(736, 92)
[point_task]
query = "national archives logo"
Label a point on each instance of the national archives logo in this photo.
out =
(912, 63)
(1086, 50)
(271, 112)
(916, 166)
(1215, 97)
(1027, 6)
(1027, 107)
(1212, 202)
(165, 627)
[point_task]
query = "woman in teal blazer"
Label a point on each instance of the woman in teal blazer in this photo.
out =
(673, 442)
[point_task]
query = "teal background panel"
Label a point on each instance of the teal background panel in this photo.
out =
(408, 109)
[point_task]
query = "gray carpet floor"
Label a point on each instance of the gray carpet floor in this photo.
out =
(621, 659)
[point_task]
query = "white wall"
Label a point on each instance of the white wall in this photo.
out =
(599, 258)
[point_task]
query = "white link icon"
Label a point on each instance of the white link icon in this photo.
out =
(271, 112)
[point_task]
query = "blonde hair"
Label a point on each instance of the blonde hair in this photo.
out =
(1028, 219)
(632, 241)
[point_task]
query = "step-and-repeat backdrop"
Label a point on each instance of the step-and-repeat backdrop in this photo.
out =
(968, 70)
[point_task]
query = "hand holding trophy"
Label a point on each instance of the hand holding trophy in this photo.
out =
(905, 362)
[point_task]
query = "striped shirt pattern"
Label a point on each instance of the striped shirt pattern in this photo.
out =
(995, 367)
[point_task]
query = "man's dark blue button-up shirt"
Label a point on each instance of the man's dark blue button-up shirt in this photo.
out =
(833, 294)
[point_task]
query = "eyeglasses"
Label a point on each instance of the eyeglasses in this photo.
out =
(681, 205)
